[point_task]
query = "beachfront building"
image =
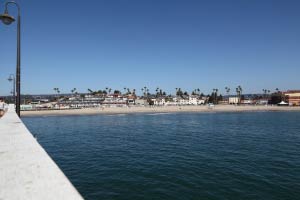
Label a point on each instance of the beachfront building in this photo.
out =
(195, 100)
(114, 100)
(141, 102)
(262, 102)
(187, 100)
(223, 102)
(26, 107)
(247, 101)
(131, 100)
(159, 101)
(183, 101)
(233, 100)
(37, 106)
(86, 101)
(292, 97)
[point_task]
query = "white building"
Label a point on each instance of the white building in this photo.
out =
(233, 100)
(141, 102)
(191, 100)
(247, 101)
(194, 100)
(159, 101)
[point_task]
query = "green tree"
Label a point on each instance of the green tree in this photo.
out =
(239, 91)
(215, 95)
(117, 92)
(179, 92)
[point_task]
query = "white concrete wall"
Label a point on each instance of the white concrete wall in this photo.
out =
(26, 170)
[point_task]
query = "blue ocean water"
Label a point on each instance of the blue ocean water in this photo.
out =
(253, 155)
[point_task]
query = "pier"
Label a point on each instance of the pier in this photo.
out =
(26, 170)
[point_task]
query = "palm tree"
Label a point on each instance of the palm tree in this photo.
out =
(73, 90)
(265, 92)
(215, 95)
(146, 90)
(240, 88)
(194, 92)
(227, 90)
(239, 93)
(159, 92)
(279, 93)
(90, 91)
(57, 91)
(179, 92)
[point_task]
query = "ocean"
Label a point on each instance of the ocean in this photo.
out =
(178, 156)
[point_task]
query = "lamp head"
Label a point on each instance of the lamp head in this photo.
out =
(6, 18)
(10, 78)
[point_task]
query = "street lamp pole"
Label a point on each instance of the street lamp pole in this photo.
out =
(13, 79)
(7, 19)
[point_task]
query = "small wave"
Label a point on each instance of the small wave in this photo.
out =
(118, 115)
(158, 113)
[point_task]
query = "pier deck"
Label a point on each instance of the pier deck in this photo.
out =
(26, 170)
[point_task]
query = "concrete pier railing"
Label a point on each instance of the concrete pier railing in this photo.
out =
(26, 170)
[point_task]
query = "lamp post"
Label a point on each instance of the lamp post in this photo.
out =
(7, 20)
(11, 78)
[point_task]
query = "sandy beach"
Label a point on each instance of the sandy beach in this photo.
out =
(162, 109)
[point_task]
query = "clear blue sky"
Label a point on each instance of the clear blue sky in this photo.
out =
(166, 43)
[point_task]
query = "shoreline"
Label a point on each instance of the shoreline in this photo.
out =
(158, 109)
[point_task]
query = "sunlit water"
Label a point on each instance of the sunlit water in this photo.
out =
(176, 156)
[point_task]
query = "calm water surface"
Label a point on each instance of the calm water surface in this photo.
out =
(176, 156)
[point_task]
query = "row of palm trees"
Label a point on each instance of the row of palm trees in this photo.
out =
(145, 91)
(160, 92)
(266, 92)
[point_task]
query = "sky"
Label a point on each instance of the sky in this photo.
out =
(168, 44)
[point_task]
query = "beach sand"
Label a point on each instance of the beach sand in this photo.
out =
(158, 109)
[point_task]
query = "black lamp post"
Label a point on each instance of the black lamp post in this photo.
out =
(11, 78)
(8, 19)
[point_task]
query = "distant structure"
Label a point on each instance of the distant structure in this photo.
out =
(233, 100)
(292, 97)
